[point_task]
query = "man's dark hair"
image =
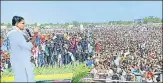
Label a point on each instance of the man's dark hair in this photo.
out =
(16, 19)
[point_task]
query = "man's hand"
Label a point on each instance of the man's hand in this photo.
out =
(35, 30)
(34, 35)
(29, 38)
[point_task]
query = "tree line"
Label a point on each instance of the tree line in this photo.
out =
(145, 20)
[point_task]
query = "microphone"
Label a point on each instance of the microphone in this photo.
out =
(28, 33)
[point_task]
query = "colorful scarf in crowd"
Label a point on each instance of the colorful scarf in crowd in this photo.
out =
(33, 50)
(72, 43)
(95, 36)
(37, 40)
(42, 37)
(150, 74)
(150, 54)
(98, 47)
(1, 41)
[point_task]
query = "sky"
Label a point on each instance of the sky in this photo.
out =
(82, 11)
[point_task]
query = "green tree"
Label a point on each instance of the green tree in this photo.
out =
(85, 24)
(51, 24)
(35, 24)
(151, 19)
(2, 24)
(66, 24)
(9, 25)
(75, 23)
(156, 20)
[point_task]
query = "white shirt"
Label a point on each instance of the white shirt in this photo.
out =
(59, 56)
(71, 55)
(110, 72)
(54, 37)
(90, 48)
(149, 80)
(43, 47)
(117, 61)
(119, 70)
(124, 74)
(94, 71)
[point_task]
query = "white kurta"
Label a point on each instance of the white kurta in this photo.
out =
(20, 56)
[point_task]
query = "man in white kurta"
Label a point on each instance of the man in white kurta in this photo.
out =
(20, 51)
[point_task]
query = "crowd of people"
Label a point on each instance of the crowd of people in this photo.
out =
(130, 53)
(121, 52)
